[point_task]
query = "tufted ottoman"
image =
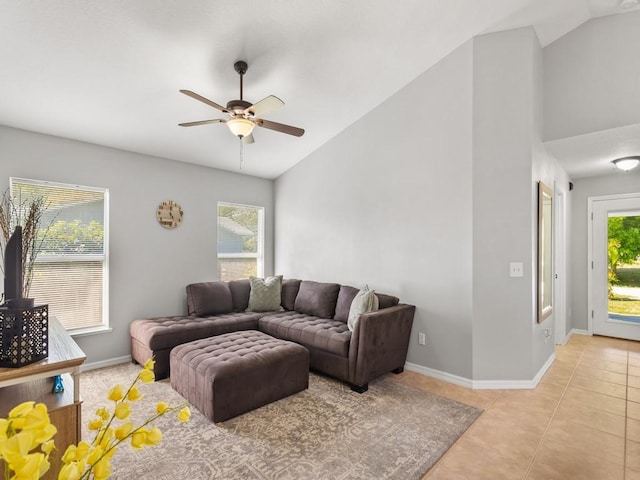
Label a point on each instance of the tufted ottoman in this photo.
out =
(233, 373)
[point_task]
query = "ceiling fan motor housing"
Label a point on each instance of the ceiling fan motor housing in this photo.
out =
(237, 107)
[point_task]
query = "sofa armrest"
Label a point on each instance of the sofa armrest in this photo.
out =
(379, 343)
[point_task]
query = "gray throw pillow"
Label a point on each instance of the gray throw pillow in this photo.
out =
(365, 301)
(265, 294)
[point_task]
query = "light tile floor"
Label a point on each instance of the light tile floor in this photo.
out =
(582, 421)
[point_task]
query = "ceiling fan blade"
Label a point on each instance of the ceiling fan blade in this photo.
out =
(267, 104)
(248, 139)
(280, 127)
(200, 98)
(201, 122)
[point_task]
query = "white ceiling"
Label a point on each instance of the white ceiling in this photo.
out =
(108, 72)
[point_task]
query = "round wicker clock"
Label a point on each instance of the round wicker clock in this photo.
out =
(169, 214)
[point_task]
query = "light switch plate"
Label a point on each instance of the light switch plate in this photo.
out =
(516, 269)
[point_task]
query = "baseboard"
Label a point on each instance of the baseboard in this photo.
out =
(440, 375)
(483, 384)
(105, 363)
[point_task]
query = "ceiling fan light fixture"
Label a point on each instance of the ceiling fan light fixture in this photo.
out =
(626, 163)
(240, 127)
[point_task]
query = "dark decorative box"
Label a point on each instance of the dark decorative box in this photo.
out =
(24, 335)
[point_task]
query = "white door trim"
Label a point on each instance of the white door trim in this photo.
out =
(591, 202)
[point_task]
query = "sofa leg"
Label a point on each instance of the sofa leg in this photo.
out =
(398, 370)
(360, 389)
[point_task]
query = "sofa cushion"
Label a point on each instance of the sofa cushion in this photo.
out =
(208, 298)
(240, 290)
(365, 301)
(317, 299)
(345, 298)
(167, 332)
(386, 301)
(265, 294)
(290, 287)
(310, 331)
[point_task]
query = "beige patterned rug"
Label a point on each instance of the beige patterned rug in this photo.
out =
(326, 432)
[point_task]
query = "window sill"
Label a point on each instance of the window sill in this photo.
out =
(85, 332)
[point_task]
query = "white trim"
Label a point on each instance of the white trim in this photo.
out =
(105, 363)
(483, 384)
(440, 375)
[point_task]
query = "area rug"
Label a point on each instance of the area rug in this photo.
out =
(326, 432)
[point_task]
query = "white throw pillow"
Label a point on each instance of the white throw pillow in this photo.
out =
(364, 301)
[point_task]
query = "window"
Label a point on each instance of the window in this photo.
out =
(70, 272)
(240, 241)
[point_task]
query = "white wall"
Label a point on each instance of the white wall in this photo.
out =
(149, 266)
(502, 213)
(429, 197)
(508, 161)
(388, 203)
(616, 184)
(591, 77)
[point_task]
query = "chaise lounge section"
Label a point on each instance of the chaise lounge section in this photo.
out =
(311, 314)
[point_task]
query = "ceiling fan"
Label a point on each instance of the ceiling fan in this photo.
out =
(243, 116)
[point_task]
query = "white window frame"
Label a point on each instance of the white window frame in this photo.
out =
(104, 326)
(259, 255)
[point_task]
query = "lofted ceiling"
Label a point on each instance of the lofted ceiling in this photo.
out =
(109, 72)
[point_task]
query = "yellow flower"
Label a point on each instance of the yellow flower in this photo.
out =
(95, 424)
(69, 454)
(71, 471)
(123, 430)
(148, 365)
(123, 410)
(162, 407)
(48, 446)
(184, 415)
(15, 448)
(94, 455)
(134, 394)
(45, 434)
(102, 469)
(21, 410)
(83, 450)
(37, 418)
(103, 413)
(4, 425)
(33, 466)
(154, 436)
(138, 439)
(147, 376)
(116, 393)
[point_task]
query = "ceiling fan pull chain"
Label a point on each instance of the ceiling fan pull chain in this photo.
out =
(241, 153)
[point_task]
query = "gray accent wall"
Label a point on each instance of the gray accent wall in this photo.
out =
(429, 197)
(149, 266)
(388, 203)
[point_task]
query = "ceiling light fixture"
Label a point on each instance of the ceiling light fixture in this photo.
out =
(240, 126)
(627, 163)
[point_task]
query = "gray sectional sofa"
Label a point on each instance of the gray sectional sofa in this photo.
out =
(313, 314)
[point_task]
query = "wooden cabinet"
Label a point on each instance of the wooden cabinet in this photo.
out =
(33, 382)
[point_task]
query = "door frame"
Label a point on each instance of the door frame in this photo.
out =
(591, 201)
(560, 268)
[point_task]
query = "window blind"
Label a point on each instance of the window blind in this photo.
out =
(69, 272)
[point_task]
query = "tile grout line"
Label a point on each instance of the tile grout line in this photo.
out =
(555, 410)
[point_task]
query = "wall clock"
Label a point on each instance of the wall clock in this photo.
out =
(169, 214)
